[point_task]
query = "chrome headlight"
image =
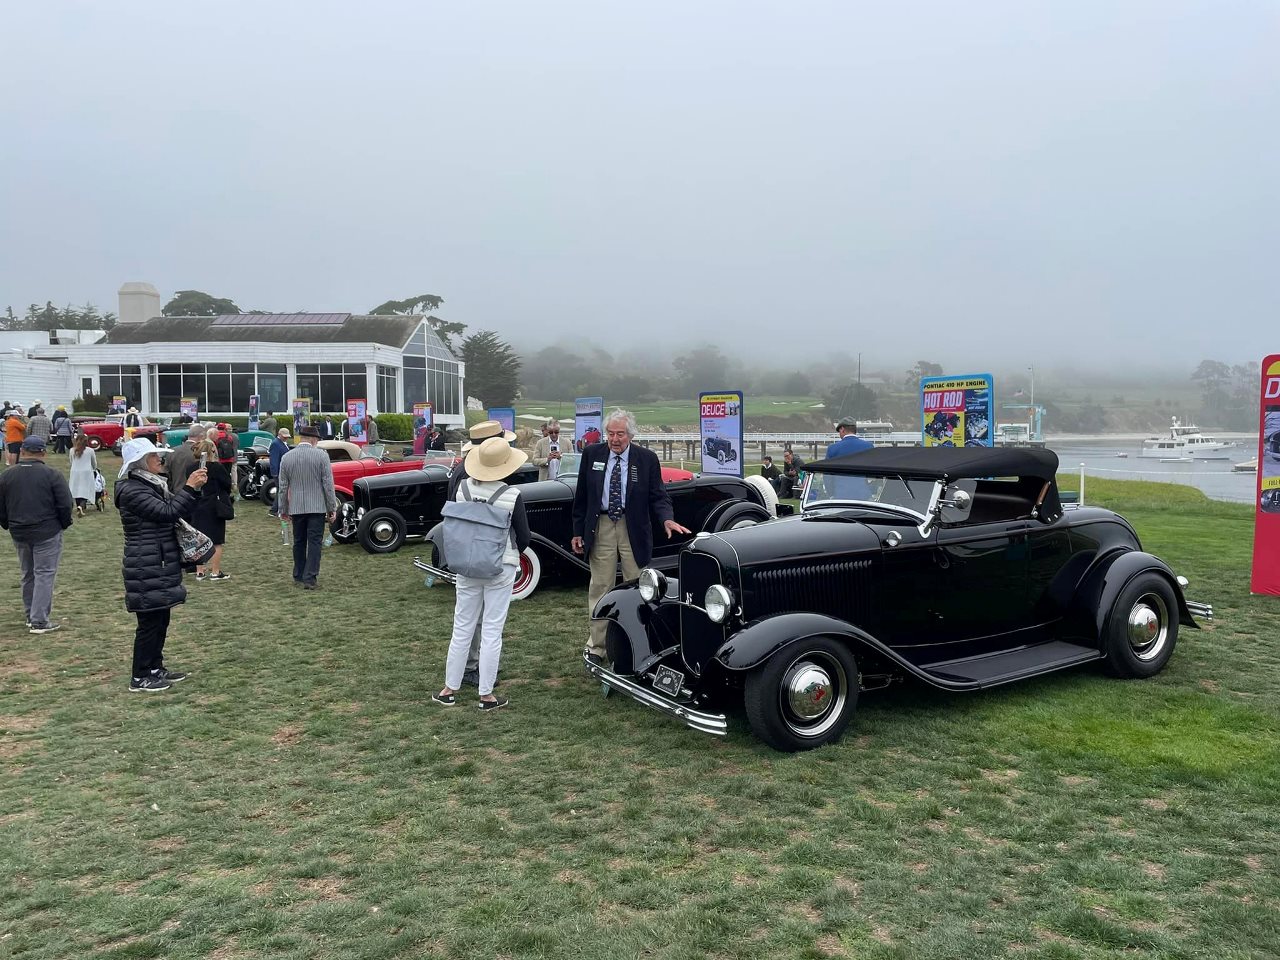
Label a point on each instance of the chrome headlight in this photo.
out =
(653, 585)
(718, 602)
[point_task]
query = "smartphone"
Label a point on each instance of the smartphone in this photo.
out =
(204, 459)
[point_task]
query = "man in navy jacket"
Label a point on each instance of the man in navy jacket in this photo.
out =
(618, 501)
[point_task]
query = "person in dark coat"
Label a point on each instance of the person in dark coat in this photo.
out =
(152, 557)
(212, 509)
(618, 502)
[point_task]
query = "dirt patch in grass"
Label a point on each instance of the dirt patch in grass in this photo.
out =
(327, 889)
(167, 844)
(1254, 864)
(286, 736)
(1153, 870)
(1152, 803)
(829, 946)
(25, 723)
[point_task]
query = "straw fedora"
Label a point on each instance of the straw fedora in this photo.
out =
(494, 459)
(483, 431)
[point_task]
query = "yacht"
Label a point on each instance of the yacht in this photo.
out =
(1185, 441)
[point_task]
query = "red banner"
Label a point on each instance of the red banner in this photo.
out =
(1266, 528)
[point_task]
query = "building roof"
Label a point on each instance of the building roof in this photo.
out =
(392, 331)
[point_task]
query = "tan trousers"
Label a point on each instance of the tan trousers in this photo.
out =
(612, 544)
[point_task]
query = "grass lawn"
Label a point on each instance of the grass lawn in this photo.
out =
(299, 796)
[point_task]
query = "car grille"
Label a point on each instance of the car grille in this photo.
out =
(838, 588)
(699, 637)
(547, 521)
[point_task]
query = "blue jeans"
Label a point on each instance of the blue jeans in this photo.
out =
(308, 533)
(39, 565)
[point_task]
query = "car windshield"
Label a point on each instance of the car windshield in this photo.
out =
(908, 493)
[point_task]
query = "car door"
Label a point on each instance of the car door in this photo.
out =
(982, 582)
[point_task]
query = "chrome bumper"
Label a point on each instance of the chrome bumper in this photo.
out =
(439, 573)
(1201, 611)
(713, 723)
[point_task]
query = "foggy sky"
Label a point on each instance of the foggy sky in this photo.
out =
(1012, 181)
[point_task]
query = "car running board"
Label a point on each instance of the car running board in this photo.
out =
(993, 669)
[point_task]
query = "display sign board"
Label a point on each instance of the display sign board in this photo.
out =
(424, 419)
(253, 412)
(356, 432)
(189, 407)
(301, 411)
(119, 405)
(720, 417)
(588, 414)
(958, 411)
(1266, 527)
(505, 416)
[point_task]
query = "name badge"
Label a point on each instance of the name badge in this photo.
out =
(598, 465)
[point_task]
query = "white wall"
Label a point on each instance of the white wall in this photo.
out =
(49, 381)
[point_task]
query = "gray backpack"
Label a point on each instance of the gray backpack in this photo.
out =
(475, 534)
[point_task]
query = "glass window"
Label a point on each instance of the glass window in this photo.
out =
(241, 389)
(415, 385)
(121, 381)
(387, 377)
(273, 384)
(168, 392)
(309, 387)
(355, 387)
(219, 398)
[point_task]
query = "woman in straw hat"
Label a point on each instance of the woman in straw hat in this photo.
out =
(488, 465)
(152, 558)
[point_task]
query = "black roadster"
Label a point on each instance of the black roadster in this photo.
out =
(701, 503)
(956, 566)
(720, 448)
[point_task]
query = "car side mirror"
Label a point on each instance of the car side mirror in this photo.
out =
(957, 502)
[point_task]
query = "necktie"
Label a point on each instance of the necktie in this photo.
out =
(615, 489)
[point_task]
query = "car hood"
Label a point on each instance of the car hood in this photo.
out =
(789, 540)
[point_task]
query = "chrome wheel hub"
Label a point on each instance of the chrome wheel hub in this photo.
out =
(809, 691)
(1148, 627)
(383, 531)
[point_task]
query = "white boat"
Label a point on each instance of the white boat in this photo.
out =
(1186, 441)
(1249, 466)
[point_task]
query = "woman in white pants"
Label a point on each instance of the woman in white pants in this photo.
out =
(486, 601)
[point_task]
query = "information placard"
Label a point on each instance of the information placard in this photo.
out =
(958, 411)
(119, 405)
(189, 407)
(720, 417)
(356, 431)
(424, 419)
(301, 413)
(253, 412)
(505, 416)
(1266, 527)
(588, 412)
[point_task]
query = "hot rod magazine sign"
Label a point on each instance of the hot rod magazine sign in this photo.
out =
(1266, 528)
(957, 411)
(720, 415)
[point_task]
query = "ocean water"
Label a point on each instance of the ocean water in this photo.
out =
(1214, 477)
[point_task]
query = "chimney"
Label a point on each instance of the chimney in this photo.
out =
(139, 302)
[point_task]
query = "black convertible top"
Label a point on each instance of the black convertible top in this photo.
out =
(950, 463)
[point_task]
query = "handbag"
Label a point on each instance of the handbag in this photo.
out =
(195, 546)
(223, 509)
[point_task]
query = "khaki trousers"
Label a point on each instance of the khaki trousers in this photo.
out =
(612, 544)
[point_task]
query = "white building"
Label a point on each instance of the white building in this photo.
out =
(392, 362)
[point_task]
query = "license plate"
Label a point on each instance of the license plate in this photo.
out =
(668, 681)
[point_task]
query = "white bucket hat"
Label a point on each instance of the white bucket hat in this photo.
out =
(134, 450)
(494, 459)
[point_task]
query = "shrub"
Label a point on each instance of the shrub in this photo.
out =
(394, 426)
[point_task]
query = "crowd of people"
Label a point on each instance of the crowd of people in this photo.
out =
(174, 506)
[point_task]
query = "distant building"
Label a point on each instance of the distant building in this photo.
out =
(392, 362)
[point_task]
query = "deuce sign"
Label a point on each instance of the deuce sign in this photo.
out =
(714, 410)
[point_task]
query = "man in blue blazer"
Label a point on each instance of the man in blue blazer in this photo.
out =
(619, 498)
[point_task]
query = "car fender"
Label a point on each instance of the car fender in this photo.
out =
(731, 511)
(761, 639)
(1097, 594)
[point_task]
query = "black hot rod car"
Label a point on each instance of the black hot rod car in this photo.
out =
(956, 566)
(721, 448)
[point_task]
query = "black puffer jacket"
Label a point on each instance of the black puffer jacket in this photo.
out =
(152, 559)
